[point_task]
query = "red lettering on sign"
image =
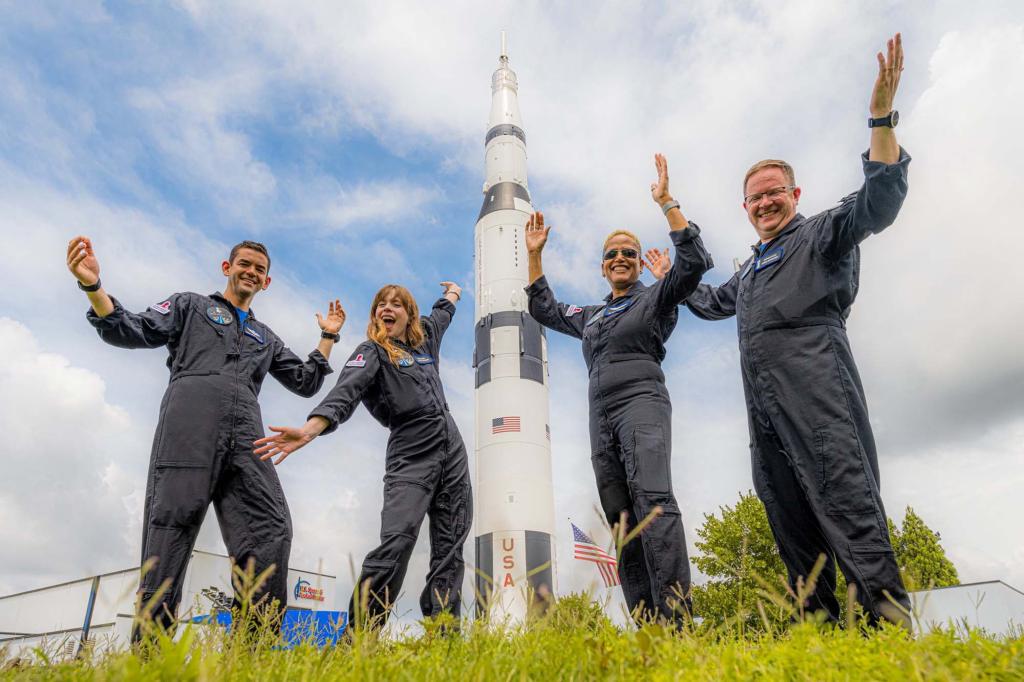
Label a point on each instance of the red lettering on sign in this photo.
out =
(508, 544)
(508, 581)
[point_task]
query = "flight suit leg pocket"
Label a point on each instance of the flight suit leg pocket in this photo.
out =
(611, 486)
(181, 495)
(405, 505)
(762, 485)
(648, 460)
(840, 472)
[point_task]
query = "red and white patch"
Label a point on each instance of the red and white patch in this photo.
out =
(162, 308)
(572, 310)
(357, 361)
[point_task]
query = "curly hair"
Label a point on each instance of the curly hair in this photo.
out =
(378, 333)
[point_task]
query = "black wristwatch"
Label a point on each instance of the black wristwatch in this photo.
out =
(329, 335)
(90, 288)
(889, 121)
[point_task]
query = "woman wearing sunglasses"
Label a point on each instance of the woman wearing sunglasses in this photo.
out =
(630, 412)
(395, 374)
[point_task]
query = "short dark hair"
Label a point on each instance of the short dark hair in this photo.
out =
(255, 246)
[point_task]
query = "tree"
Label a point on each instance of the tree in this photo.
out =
(920, 555)
(737, 551)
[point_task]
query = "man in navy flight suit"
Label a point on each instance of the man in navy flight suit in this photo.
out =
(218, 356)
(814, 461)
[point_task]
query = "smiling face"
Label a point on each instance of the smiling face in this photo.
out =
(248, 273)
(772, 209)
(621, 271)
(392, 314)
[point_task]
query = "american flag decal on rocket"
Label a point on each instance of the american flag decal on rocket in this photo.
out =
(505, 425)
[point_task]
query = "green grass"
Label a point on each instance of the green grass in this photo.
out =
(574, 641)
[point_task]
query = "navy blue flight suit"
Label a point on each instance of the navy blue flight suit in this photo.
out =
(202, 450)
(631, 419)
(426, 470)
(813, 454)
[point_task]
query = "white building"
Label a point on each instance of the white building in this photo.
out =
(99, 609)
(992, 606)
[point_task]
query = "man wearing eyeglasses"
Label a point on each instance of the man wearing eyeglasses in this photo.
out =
(813, 454)
(630, 413)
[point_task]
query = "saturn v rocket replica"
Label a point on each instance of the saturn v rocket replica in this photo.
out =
(515, 506)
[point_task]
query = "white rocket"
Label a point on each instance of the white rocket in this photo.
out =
(515, 505)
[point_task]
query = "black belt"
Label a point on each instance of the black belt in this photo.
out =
(802, 322)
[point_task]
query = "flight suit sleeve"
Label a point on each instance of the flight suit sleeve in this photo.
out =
(715, 303)
(435, 324)
(355, 378)
(567, 319)
(867, 211)
(691, 262)
(302, 377)
(157, 326)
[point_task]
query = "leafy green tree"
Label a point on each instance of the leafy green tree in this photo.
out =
(739, 555)
(920, 555)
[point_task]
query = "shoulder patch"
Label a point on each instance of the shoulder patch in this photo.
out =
(572, 310)
(405, 361)
(162, 308)
(357, 361)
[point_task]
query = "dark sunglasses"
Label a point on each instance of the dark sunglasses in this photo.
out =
(626, 253)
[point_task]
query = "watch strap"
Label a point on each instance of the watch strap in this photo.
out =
(888, 121)
(329, 335)
(668, 206)
(90, 287)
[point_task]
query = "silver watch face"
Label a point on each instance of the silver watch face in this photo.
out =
(894, 117)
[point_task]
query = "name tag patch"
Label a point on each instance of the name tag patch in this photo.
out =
(771, 258)
(424, 359)
(253, 333)
(618, 307)
(572, 310)
(162, 308)
(220, 315)
(357, 361)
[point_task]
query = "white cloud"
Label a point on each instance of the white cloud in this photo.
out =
(62, 496)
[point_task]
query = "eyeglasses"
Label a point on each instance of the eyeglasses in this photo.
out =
(610, 254)
(773, 193)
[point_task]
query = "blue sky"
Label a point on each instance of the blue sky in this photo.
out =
(349, 139)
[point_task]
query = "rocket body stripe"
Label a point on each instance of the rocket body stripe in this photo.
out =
(514, 496)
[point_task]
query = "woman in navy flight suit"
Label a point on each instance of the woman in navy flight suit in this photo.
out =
(630, 412)
(395, 374)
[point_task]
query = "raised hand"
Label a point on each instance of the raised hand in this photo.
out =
(890, 66)
(453, 289)
(657, 262)
(82, 261)
(659, 189)
(335, 319)
(285, 441)
(536, 233)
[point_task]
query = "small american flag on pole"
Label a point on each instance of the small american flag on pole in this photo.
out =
(585, 550)
(505, 425)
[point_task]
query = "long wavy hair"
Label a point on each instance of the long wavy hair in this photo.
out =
(378, 333)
